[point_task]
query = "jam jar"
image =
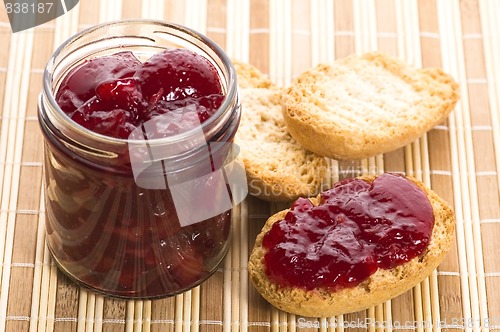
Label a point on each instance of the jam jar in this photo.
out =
(143, 216)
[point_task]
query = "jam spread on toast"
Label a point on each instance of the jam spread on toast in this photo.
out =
(357, 228)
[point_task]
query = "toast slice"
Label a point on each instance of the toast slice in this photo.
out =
(361, 106)
(277, 167)
(381, 286)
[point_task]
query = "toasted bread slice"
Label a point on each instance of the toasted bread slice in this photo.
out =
(381, 286)
(277, 167)
(361, 106)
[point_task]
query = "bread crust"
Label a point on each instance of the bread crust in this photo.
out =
(361, 106)
(277, 167)
(382, 286)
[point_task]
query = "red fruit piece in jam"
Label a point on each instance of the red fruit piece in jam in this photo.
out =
(176, 116)
(94, 115)
(121, 93)
(176, 74)
(79, 84)
(357, 228)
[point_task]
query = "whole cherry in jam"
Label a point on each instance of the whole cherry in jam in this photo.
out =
(176, 74)
(357, 228)
(112, 95)
(79, 84)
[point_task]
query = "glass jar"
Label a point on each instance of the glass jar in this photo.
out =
(137, 218)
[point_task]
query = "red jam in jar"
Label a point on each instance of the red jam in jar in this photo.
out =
(114, 94)
(108, 227)
(357, 228)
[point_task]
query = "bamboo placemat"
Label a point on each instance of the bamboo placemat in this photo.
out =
(460, 159)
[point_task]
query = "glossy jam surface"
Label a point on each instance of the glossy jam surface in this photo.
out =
(114, 94)
(356, 229)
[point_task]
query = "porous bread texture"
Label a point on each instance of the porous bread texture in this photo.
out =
(361, 106)
(381, 286)
(277, 167)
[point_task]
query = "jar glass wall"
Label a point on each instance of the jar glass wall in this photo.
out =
(119, 231)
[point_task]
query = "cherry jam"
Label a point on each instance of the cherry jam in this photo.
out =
(113, 95)
(357, 228)
(107, 230)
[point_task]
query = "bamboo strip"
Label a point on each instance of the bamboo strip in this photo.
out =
(146, 324)
(388, 314)
(110, 10)
(37, 273)
(99, 311)
(244, 253)
(380, 316)
(490, 26)
(89, 326)
(7, 117)
(52, 293)
(419, 294)
(153, 9)
(195, 15)
(16, 137)
(235, 276)
(475, 217)
(275, 319)
(186, 311)
(287, 33)
(195, 309)
(179, 300)
(274, 47)
(129, 316)
(459, 225)
(359, 20)
(417, 304)
(370, 314)
(489, 11)
(429, 303)
(432, 282)
(138, 311)
(284, 319)
(340, 320)
(12, 78)
(82, 310)
(473, 233)
(227, 304)
(280, 44)
(47, 271)
(469, 289)
(322, 32)
(323, 327)
(238, 29)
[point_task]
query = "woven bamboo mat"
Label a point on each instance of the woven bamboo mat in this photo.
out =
(460, 159)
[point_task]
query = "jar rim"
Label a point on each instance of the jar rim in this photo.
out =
(230, 95)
